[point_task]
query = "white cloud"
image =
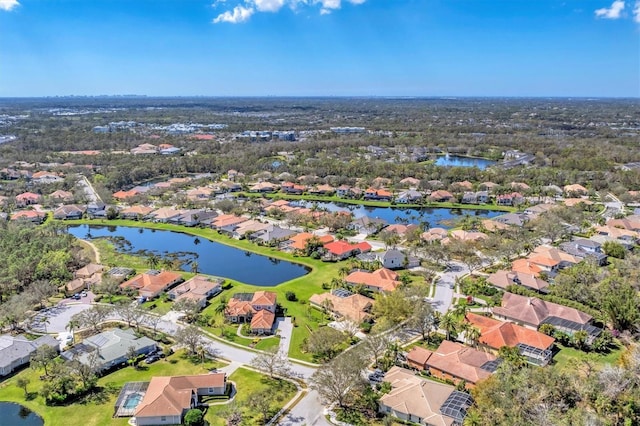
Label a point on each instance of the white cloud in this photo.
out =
(8, 4)
(613, 12)
(269, 5)
(636, 12)
(246, 8)
(235, 16)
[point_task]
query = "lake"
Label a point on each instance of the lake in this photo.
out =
(436, 217)
(213, 258)
(16, 414)
(458, 161)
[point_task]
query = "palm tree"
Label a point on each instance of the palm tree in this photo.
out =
(153, 261)
(194, 266)
(473, 336)
(448, 323)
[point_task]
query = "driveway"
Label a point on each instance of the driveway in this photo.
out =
(285, 327)
(445, 287)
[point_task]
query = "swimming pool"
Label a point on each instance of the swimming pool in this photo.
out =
(132, 401)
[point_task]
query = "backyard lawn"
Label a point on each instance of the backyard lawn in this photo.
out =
(570, 357)
(98, 409)
(247, 382)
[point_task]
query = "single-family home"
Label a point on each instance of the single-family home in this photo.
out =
(61, 196)
(433, 235)
(27, 199)
(136, 212)
(344, 304)
(151, 283)
(71, 211)
(168, 398)
(367, 225)
(272, 235)
(340, 250)
(377, 194)
(16, 351)
(575, 190)
(512, 199)
(381, 280)
(244, 307)
(441, 196)
(417, 358)
(536, 347)
(263, 187)
(292, 188)
(322, 190)
(33, 216)
(198, 288)
(583, 248)
(45, 178)
(109, 348)
(532, 312)
(390, 259)
(410, 196)
(503, 279)
(410, 182)
(418, 400)
(457, 362)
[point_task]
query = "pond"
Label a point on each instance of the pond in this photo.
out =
(213, 258)
(441, 217)
(16, 414)
(458, 161)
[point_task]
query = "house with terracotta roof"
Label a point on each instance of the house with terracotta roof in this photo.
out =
(564, 259)
(344, 305)
(33, 216)
(410, 182)
(377, 194)
(152, 283)
(45, 177)
(60, 195)
(457, 362)
(198, 288)
(536, 347)
(381, 280)
(70, 211)
(340, 250)
(532, 312)
(433, 235)
(263, 187)
(244, 307)
(225, 221)
(167, 399)
(422, 401)
(400, 229)
(417, 358)
(135, 212)
(575, 190)
(323, 189)
(503, 279)
(467, 236)
(292, 188)
(512, 199)
(27, 199)
(441, 196)
(299, 241)
(630, 223)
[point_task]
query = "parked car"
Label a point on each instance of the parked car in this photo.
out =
(151, 359)
(76, 296)
(84, 293)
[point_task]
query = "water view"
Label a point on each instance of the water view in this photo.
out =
(18, 415)
(441, 217)
(213, 258)
(457, 161)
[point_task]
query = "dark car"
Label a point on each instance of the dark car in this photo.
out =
(76, 296)
(151, 359)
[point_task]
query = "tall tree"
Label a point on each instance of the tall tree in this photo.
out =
(340, 379)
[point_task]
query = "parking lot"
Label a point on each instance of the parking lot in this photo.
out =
(56, 318)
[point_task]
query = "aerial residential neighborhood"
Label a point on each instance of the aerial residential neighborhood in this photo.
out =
(319, 213)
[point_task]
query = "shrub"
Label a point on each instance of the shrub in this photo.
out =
(291, 296)
(194, 417)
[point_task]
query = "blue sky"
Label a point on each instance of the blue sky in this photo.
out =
(320, 47)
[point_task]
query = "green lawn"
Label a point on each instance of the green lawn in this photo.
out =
(569, 358)
(248, 381)
(99, 409)
(303, 287)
